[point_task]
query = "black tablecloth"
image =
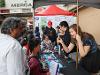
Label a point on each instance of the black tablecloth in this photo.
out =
(69, 67)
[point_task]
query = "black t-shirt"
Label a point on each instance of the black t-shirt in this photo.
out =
(66, 38)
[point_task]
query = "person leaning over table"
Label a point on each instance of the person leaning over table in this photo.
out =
(87, 46)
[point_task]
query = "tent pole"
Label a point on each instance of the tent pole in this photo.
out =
(33, 16)
(77, 32)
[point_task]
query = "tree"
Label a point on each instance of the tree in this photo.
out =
(2, 3)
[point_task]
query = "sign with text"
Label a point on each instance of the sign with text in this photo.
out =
(19, 4)
(23, 10)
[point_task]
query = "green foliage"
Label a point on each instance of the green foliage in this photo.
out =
(43, 23)
(2, 3)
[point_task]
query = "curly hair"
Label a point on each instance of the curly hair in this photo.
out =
(12, 23)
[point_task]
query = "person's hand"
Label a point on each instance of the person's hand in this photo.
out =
(78, 37)
(59, 40)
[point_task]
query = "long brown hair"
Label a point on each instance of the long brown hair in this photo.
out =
(81, 33)
(74, 27)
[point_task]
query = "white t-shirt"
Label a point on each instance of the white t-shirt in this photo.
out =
(11, 56)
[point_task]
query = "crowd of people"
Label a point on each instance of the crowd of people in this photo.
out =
(21, 49)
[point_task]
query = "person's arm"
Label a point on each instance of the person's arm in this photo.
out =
(67, 49)
(15, 65)
(83, 50)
